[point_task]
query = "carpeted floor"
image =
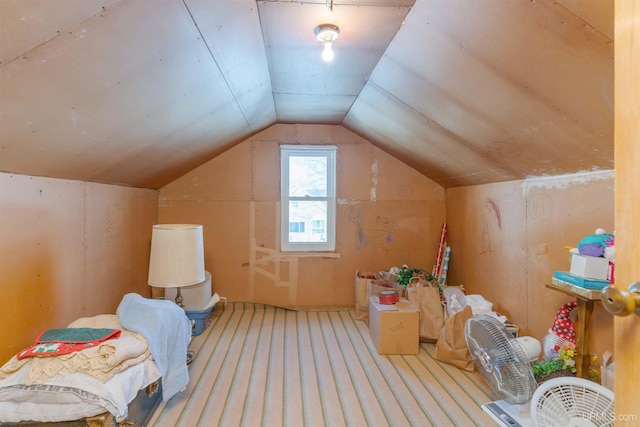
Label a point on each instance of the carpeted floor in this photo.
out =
(259, 365)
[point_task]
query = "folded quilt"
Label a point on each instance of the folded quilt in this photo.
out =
(102, 361)
(56, 342)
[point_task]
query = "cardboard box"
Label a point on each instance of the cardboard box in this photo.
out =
(591, 267)
(574, 281)
(394, 328)
(512, 328)
(607, 370)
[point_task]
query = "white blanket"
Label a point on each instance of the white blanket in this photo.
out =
(73, 396)
(167, 330)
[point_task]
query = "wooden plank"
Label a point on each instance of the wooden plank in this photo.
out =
(627, 158)
(102, 420)
(41, 257)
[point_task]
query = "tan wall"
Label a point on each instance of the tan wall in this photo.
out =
(508, 238)
(388, 214)
(68, 249)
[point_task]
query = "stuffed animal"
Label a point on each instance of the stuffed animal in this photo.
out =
(600, 244)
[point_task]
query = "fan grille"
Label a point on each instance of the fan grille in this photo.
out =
(500, 359)
(568, 401)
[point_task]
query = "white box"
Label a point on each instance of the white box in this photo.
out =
(591, 267)
(194, 297)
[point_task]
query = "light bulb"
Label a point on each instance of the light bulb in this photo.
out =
(327, 52)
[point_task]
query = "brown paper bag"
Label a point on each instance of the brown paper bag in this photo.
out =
(363, 283)
(452, 347)
(427, 300)
(371, 284)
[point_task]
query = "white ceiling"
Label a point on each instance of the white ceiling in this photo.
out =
(137, 92)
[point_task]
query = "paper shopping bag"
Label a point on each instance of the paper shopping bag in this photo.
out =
(363, 283)
(371, 284)
(452, 347)
(427, 300)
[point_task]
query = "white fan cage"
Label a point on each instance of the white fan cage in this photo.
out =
(500, 358)
(572, 402)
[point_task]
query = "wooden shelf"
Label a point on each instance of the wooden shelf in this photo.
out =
(575, 291)
(585, 300)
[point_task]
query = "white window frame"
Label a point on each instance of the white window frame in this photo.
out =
(329, 152)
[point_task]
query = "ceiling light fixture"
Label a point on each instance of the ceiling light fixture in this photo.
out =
(326, 34)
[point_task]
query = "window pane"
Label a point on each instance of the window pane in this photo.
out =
(307, 176)
(296, 227)
(307, 221)
(318, 226)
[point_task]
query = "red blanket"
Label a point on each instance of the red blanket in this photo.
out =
(55, 342)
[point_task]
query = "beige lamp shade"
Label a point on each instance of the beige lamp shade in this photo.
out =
(177, 255)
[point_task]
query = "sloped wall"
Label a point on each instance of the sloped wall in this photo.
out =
(508, 238)
(68, 249)
(388, 215)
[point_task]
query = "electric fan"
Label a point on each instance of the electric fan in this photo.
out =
(572, 402)
(505, 363)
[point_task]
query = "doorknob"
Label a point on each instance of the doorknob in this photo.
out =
(622, 302)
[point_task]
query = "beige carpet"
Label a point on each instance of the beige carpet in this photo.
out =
(258, 365)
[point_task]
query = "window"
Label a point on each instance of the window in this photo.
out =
(308, 199)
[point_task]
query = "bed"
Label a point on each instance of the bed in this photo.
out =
(151, 346)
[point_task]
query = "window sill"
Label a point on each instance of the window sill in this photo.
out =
(310, 254)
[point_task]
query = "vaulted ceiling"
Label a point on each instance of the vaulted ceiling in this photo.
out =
(138, 92)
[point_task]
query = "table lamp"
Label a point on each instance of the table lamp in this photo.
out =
(177, 257)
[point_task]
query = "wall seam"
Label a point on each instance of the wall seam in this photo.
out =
(83, 300)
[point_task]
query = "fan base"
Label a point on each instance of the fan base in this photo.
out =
(509, 415)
